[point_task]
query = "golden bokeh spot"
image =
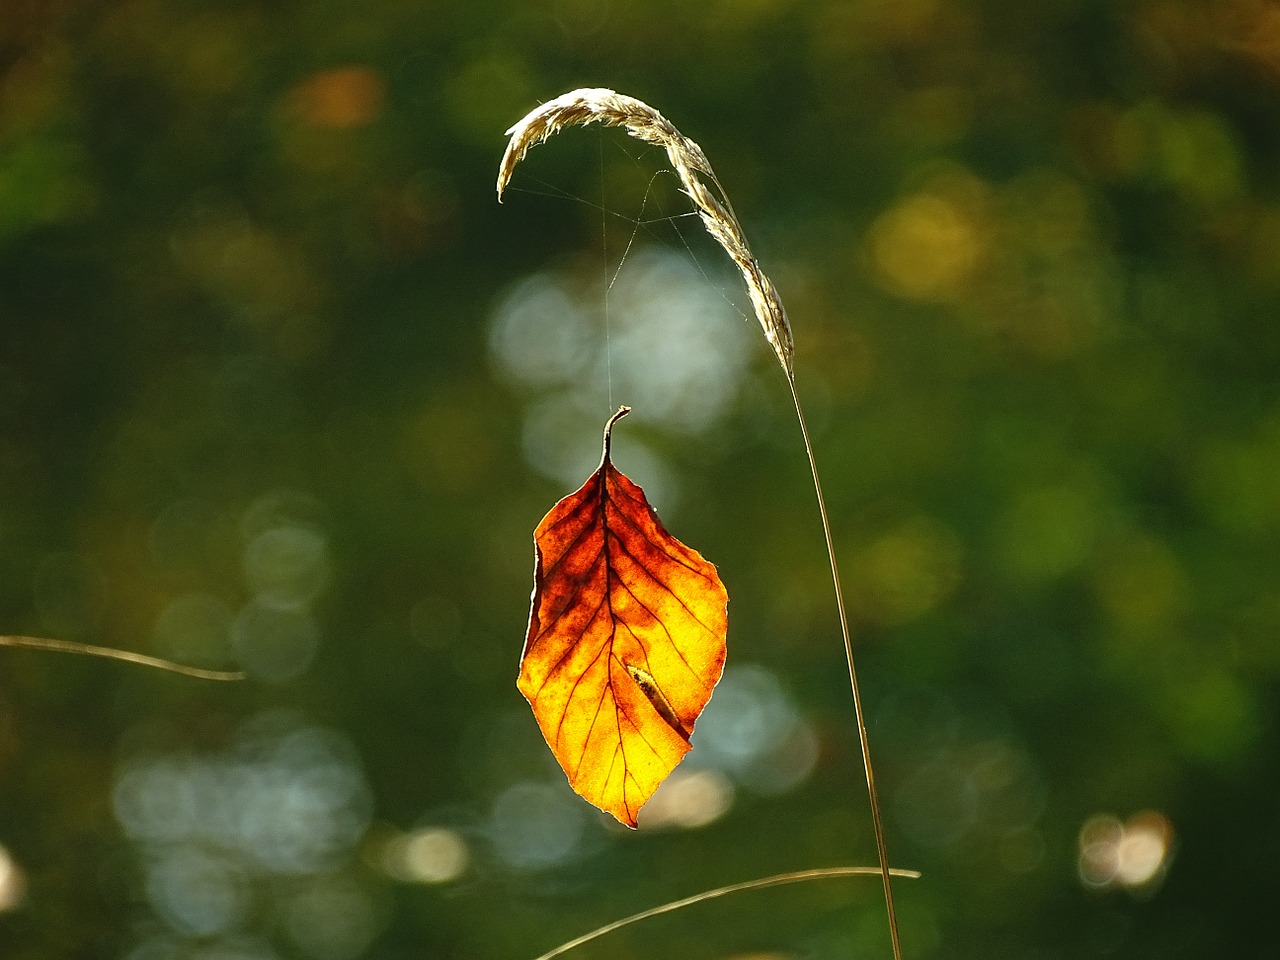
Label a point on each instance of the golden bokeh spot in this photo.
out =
(928, 245)
(1257, 35)
(341, 98)
(33, 90)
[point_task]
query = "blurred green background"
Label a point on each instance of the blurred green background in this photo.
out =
(282, 387)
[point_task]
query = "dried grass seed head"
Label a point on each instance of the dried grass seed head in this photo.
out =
(599, 105)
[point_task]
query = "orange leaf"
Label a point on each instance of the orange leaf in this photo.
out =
(626, 640)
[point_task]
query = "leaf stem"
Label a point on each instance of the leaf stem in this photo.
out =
(608, 430)
(778, 880)
(109, 653)
(859, 717)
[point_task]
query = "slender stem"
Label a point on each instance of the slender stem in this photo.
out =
(774, 881)
(87, 649)
(876, 820)
(608, 431)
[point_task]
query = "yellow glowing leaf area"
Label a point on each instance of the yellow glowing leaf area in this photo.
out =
(626, 640)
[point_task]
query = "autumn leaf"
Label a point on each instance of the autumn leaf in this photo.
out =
(626, 640)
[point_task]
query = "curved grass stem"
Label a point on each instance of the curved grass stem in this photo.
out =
(778, 880)
(110, 653)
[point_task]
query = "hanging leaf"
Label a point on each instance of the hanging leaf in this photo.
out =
(626, 640)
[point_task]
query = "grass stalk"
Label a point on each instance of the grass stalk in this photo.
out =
(110, 653)
(863, 741)
(778, 880)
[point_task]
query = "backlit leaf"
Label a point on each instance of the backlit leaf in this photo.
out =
(626, 640)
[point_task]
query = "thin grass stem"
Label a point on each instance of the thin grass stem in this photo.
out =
(876, 820)
(778, 880)
(109, 653)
